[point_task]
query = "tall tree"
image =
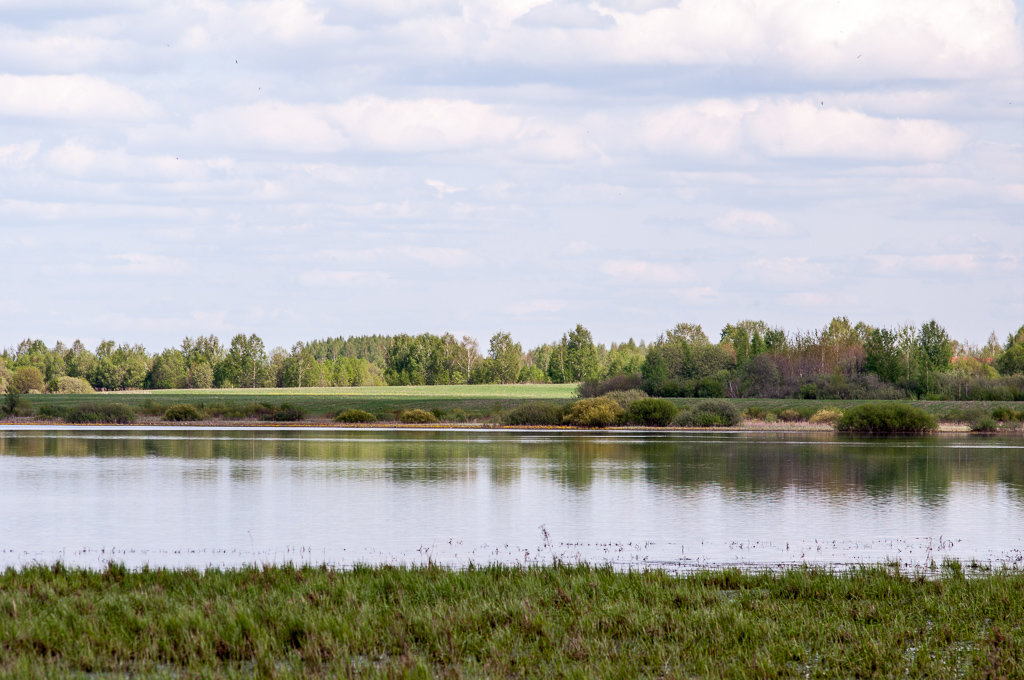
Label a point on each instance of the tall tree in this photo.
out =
(506, 355)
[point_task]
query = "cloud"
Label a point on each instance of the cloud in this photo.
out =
(443, 189)
(18, 155)
(538, 306)
(802, 129)
(949, 263)
(145, 264)
(432, 255)
(320, 277)
(751, 223)
(565, 14)
(784, 128)
(794, 271)
(74, 96)
(641, 271)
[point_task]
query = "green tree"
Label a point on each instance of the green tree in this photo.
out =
(199, 376)
(506, 355)
(882, 355)
(580, 355)
(246, 361)
(1011, 361)
(168, 372)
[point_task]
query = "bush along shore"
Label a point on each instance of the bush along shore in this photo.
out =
(615, 408)
(495, 621)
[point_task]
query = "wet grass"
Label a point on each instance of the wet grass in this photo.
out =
(561, 621)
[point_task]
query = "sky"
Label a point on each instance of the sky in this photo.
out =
(303, 169)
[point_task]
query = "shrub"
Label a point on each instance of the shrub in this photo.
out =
(534, 413)
(100, 413)
(416, 416)
(985, 424)
(809, 391)
(709, 413)
(150, 408)
(1004, 414)
(827, 415)
(757, 413)
(596, 412)
(12, 400)
(285, 413)
(626, 397)
(354, 415)
(788, 415)
(52, 411)
(651, 411)
(182, 412)
(68, 385)
(886, 418)
(27, 379)
(616, 383)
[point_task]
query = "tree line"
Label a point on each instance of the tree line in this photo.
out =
(749, 359)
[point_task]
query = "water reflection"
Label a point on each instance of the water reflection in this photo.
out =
(194, 497)
(761, 463)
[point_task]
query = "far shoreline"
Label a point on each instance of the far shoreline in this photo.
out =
(751, 426)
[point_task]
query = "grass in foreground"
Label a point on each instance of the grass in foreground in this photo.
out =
(562, 621)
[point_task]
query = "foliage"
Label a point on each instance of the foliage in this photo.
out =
(709, 413)
(789, 415)
(826, 415)
(595, 412)
(99, 412)
(535, 413)
(355, 415)
(199, 376)
(651, 411)
(416, 416)
(27, 379)
(984, 424)
(506, 357)
(285, 413)
(12, 399)
(183, 412)
(168, 371)
(615, 383)
(626, 397)
(68, 385)
(886, 418)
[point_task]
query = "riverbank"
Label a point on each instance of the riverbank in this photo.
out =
(560, 621)
(746, 425)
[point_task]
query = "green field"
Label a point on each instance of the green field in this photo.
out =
(476, 401)
(562, 621)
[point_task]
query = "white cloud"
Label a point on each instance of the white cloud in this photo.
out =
(73, 96)
(320, 277)
(795, 271)
(751, 223)
(410, 125)
(442, 188)
(803, 129)
(641, 271)
(146, 264)
(793, 129)
(18, 155)
(947, 263)
(539, 306)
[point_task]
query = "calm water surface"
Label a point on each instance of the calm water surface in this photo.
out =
(679, 501)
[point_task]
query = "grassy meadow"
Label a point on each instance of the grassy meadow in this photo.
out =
(558, 621)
